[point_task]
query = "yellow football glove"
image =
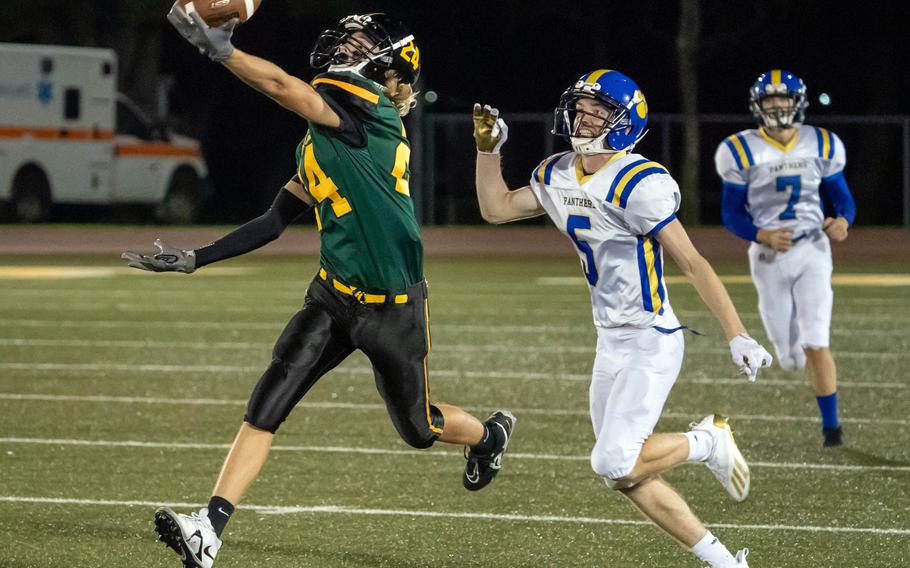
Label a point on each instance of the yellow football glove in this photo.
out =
(490, 131)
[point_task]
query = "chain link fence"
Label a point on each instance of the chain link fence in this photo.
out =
(878, 161)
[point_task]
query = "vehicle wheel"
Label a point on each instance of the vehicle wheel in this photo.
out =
(31, 202)
(182, 203)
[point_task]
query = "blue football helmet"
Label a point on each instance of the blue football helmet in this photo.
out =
(780, 83)
(625, 125)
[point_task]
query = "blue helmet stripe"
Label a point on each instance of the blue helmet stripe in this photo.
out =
(630, 187)
(742, 141)
(733, 151)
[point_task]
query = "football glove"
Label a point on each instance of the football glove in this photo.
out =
(214, 43)
(749, 356)
(490, 131)
(167, 259)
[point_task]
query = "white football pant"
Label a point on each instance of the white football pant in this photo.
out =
(794, 296)
(633, 373)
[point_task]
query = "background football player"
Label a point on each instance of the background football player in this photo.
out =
(619, 209)
(369, 293)
(776, 180)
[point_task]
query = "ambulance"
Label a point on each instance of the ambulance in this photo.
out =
(68, 137)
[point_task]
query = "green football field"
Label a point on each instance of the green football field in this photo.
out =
(121, 390)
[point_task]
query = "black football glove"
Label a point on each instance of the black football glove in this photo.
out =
(167, 259)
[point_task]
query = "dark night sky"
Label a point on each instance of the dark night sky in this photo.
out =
(521, 55)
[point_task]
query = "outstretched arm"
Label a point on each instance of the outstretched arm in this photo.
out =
(747, 353)
(497, 203)
(290, 92)
(289, 204)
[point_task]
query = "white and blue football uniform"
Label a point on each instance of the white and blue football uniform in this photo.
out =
(614, 217)
(768, 185)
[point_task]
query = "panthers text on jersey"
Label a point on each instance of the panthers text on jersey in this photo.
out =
(782, 182)
(613, 216)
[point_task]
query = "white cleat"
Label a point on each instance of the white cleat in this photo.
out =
(726, 462)
(190, 536)
(740, 561)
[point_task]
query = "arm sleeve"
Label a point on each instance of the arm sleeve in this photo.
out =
(258, 232)
(836, 195)
(652, 204)
(735, 214)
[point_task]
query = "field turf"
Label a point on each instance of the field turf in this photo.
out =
(121, 390)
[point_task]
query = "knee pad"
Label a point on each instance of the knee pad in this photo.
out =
(418, 430)
(620, 484)
(267, 408)
(612, 464)
(792, 361)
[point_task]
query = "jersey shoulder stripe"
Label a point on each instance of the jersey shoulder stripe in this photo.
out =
(825, 143)
(544, 171)
(628, 177)
(740, 150)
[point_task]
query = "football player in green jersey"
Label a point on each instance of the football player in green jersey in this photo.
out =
(369, 293)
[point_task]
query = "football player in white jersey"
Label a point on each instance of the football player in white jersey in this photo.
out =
(619, 209)
(777, 179)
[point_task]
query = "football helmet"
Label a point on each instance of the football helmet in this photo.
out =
(628, 113)
(393, 48)
(778, 82)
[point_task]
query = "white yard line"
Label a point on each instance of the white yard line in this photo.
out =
(542, 312)
(277, 325)
(408, 452)
(346, 510)
(184, 370)
(445, 348)
(381, 407)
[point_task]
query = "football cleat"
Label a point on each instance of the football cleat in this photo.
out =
(726, 462)
(190, 536)
(833, 437)
(482, 468)
(740, 561)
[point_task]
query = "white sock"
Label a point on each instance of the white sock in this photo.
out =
(709, 549)
(700, 445)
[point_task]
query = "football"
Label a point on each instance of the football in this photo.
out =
(217, 12)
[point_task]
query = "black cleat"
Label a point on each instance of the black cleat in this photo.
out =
(482, 468)
(833, 437)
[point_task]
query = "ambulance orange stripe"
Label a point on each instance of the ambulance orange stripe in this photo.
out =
(55, 133)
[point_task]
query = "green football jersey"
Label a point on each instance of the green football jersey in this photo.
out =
(358, 176)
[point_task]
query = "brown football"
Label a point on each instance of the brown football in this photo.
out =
(217, 12)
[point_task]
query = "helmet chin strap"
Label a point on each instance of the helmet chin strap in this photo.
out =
(590, 146)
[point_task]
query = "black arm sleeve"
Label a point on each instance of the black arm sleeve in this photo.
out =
(258, 232)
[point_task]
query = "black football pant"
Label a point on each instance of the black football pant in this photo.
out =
(336, 320)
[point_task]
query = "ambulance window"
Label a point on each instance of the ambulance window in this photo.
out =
(71, 104)
(47, 65)
(128, 122)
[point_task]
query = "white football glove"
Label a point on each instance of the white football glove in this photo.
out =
(165, 259)
(214, 43)
(490, 131)
(749, 356)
